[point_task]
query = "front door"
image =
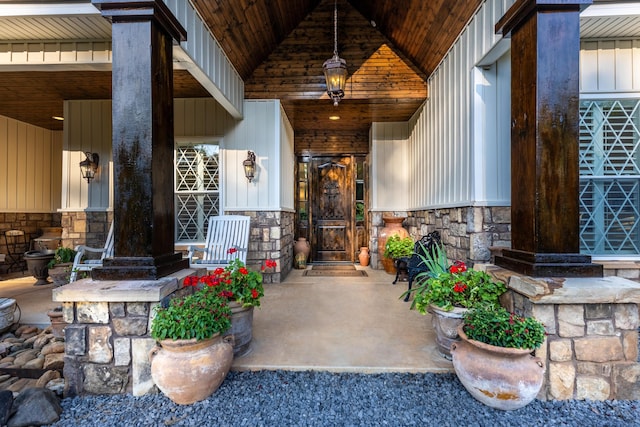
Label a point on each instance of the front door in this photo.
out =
(332, 190)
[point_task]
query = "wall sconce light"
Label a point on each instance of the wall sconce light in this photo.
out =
(249, 165)
(89, 166)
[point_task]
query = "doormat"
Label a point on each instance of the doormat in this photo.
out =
(333, 267)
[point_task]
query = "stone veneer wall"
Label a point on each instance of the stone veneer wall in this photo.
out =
(30, 223)
(107, 341)
(468, 233)
(591, 350)
(86, 228)
(271, 238)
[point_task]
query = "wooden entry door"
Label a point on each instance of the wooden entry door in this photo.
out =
(332, 195)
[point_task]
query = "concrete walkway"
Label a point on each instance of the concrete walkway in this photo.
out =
(338, 324)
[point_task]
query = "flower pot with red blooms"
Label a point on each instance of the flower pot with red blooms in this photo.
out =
(191, 358)
(243, 288)
(493, 360)
(446, 293)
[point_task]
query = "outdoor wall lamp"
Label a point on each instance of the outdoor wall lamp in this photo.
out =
(89, 166)
(250, 165)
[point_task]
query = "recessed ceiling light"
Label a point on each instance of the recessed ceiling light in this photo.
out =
(57, 118)
(334, 117)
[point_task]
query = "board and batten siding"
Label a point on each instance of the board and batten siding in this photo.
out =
(449, 171)
(88, 128)
(261, 132)
(205, 59)
(389, 163)
(30, 166)
(287, 163)
(609, 66)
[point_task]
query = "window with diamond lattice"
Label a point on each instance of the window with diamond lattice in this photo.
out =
(610, 177)
(197, 190)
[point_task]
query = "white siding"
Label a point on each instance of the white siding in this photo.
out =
(389, 166)
(609, 66)
(441, 144)
(260, 133)
(30, 163)
(209, 64)
(287, 162)
(88, 128)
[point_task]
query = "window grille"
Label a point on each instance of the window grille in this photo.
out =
(197, 189)
(610, 177)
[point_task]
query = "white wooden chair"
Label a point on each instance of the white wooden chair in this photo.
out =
(224, 232)
(88, 264)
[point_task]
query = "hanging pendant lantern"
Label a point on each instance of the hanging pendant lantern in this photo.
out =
(335, 68)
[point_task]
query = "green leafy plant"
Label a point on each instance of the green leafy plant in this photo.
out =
(456, 286)
(236, 282)
(496, 326)
(398, 247)
(199, 315)
(62, 255)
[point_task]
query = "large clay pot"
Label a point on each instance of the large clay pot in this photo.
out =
(241, 328)
(503, 378)
(188, 371)
(392, 225)
(446, 324)
(301, 251)
(364, 256)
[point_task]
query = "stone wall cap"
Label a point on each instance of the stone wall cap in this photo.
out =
(572, 290)
(89, 290)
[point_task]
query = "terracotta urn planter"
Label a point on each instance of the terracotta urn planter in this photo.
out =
(503, 378)
(392, 226)
(364, 256)
(301, 251)
(188, 371)
(446, 324)
(241, 328)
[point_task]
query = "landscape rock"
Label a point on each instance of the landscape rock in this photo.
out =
(35, 407)
(54, 361)
(25, 356)
(36, 363)
(42, 340)
(6, 402)
(25, 330)
(53, 347)
(46, 377)
(56, 386)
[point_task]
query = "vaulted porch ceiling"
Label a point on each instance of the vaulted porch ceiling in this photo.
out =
(278, 47)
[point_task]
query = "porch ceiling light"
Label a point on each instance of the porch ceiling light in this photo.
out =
(335, 68)
(89, 166)
(249, 165)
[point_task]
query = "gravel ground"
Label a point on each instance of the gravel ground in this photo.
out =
(278, 398)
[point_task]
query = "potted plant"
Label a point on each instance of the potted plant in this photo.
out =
(493, 359)
(244, 289)
(60, 265)
(447, 293)
(191, 358)
(398, 247)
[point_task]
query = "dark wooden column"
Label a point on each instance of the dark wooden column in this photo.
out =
(143, 143)
(545, 227)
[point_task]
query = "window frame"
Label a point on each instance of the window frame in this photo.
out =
(192, 141)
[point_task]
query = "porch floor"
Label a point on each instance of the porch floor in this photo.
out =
(338, 324)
